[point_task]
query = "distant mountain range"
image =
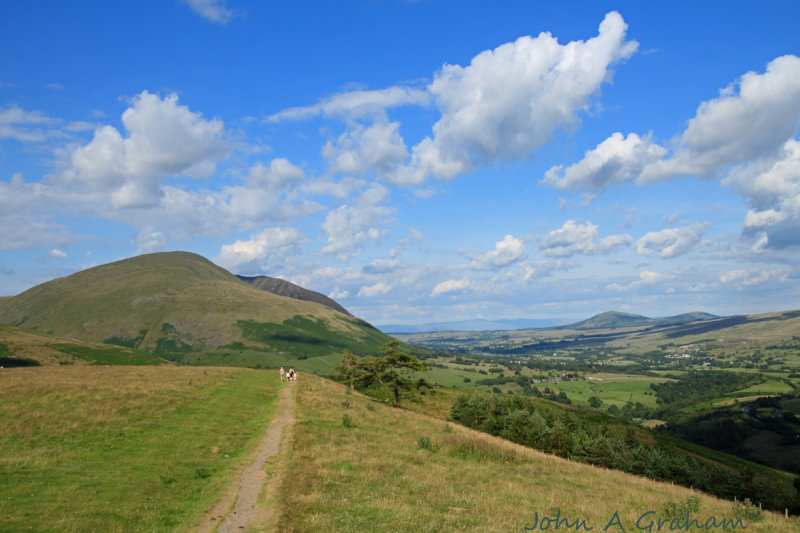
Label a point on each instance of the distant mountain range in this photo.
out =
(474, 325)
(609, 319)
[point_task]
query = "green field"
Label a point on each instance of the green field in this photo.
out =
(612, 389)
(124, 448)
(768, 388)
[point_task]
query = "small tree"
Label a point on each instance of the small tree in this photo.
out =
(389, 368)
(396, 364)
(595, 402)
(348, 368)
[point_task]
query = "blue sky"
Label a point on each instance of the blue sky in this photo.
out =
(417, 161)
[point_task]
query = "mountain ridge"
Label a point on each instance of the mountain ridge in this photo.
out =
(281, 287)
(618, 319)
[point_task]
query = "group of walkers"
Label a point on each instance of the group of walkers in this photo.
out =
(291, 375)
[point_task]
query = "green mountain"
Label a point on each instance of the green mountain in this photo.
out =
(185, 308)
(610, 319)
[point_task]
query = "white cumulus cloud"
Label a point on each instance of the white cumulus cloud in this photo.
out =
(374, 290)
(268, 249)
(745, 137)
(451, 285)
(509, 101)
(350, 228)
(615, 160)
(365, 149)
(739, 126)
(773, 193)
(505, 253)
(163, 138)
(671, 242)
(577, 238)
(279, 175)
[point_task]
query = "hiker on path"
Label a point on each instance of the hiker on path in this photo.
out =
(291, 374)
(283, 372)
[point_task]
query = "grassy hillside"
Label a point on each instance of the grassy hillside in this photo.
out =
(151, 449)
(359, 465)
(117, 449)
(177, 304)
(20, 347)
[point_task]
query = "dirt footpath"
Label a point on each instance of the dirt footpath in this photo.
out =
(245, 514)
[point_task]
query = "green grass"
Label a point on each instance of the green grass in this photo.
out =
(124, 448)
(452, 377)
(321, 365)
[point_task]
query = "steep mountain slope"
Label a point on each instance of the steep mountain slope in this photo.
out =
(285, 288)
(178, 303)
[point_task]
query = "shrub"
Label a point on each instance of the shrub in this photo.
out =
(748, 511)
(425, 443)
(679, 509)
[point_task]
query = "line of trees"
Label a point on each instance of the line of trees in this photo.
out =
(520, 420)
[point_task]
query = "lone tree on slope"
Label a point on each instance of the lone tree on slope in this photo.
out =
(390, 368)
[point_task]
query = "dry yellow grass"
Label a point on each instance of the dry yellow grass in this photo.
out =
(358, 465)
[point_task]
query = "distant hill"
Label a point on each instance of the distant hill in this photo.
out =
(178, 304)
(282, 287)
(616, 319)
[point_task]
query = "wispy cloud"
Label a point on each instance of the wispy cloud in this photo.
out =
(213, 10)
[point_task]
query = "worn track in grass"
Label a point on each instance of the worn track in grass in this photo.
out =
(239, 510)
